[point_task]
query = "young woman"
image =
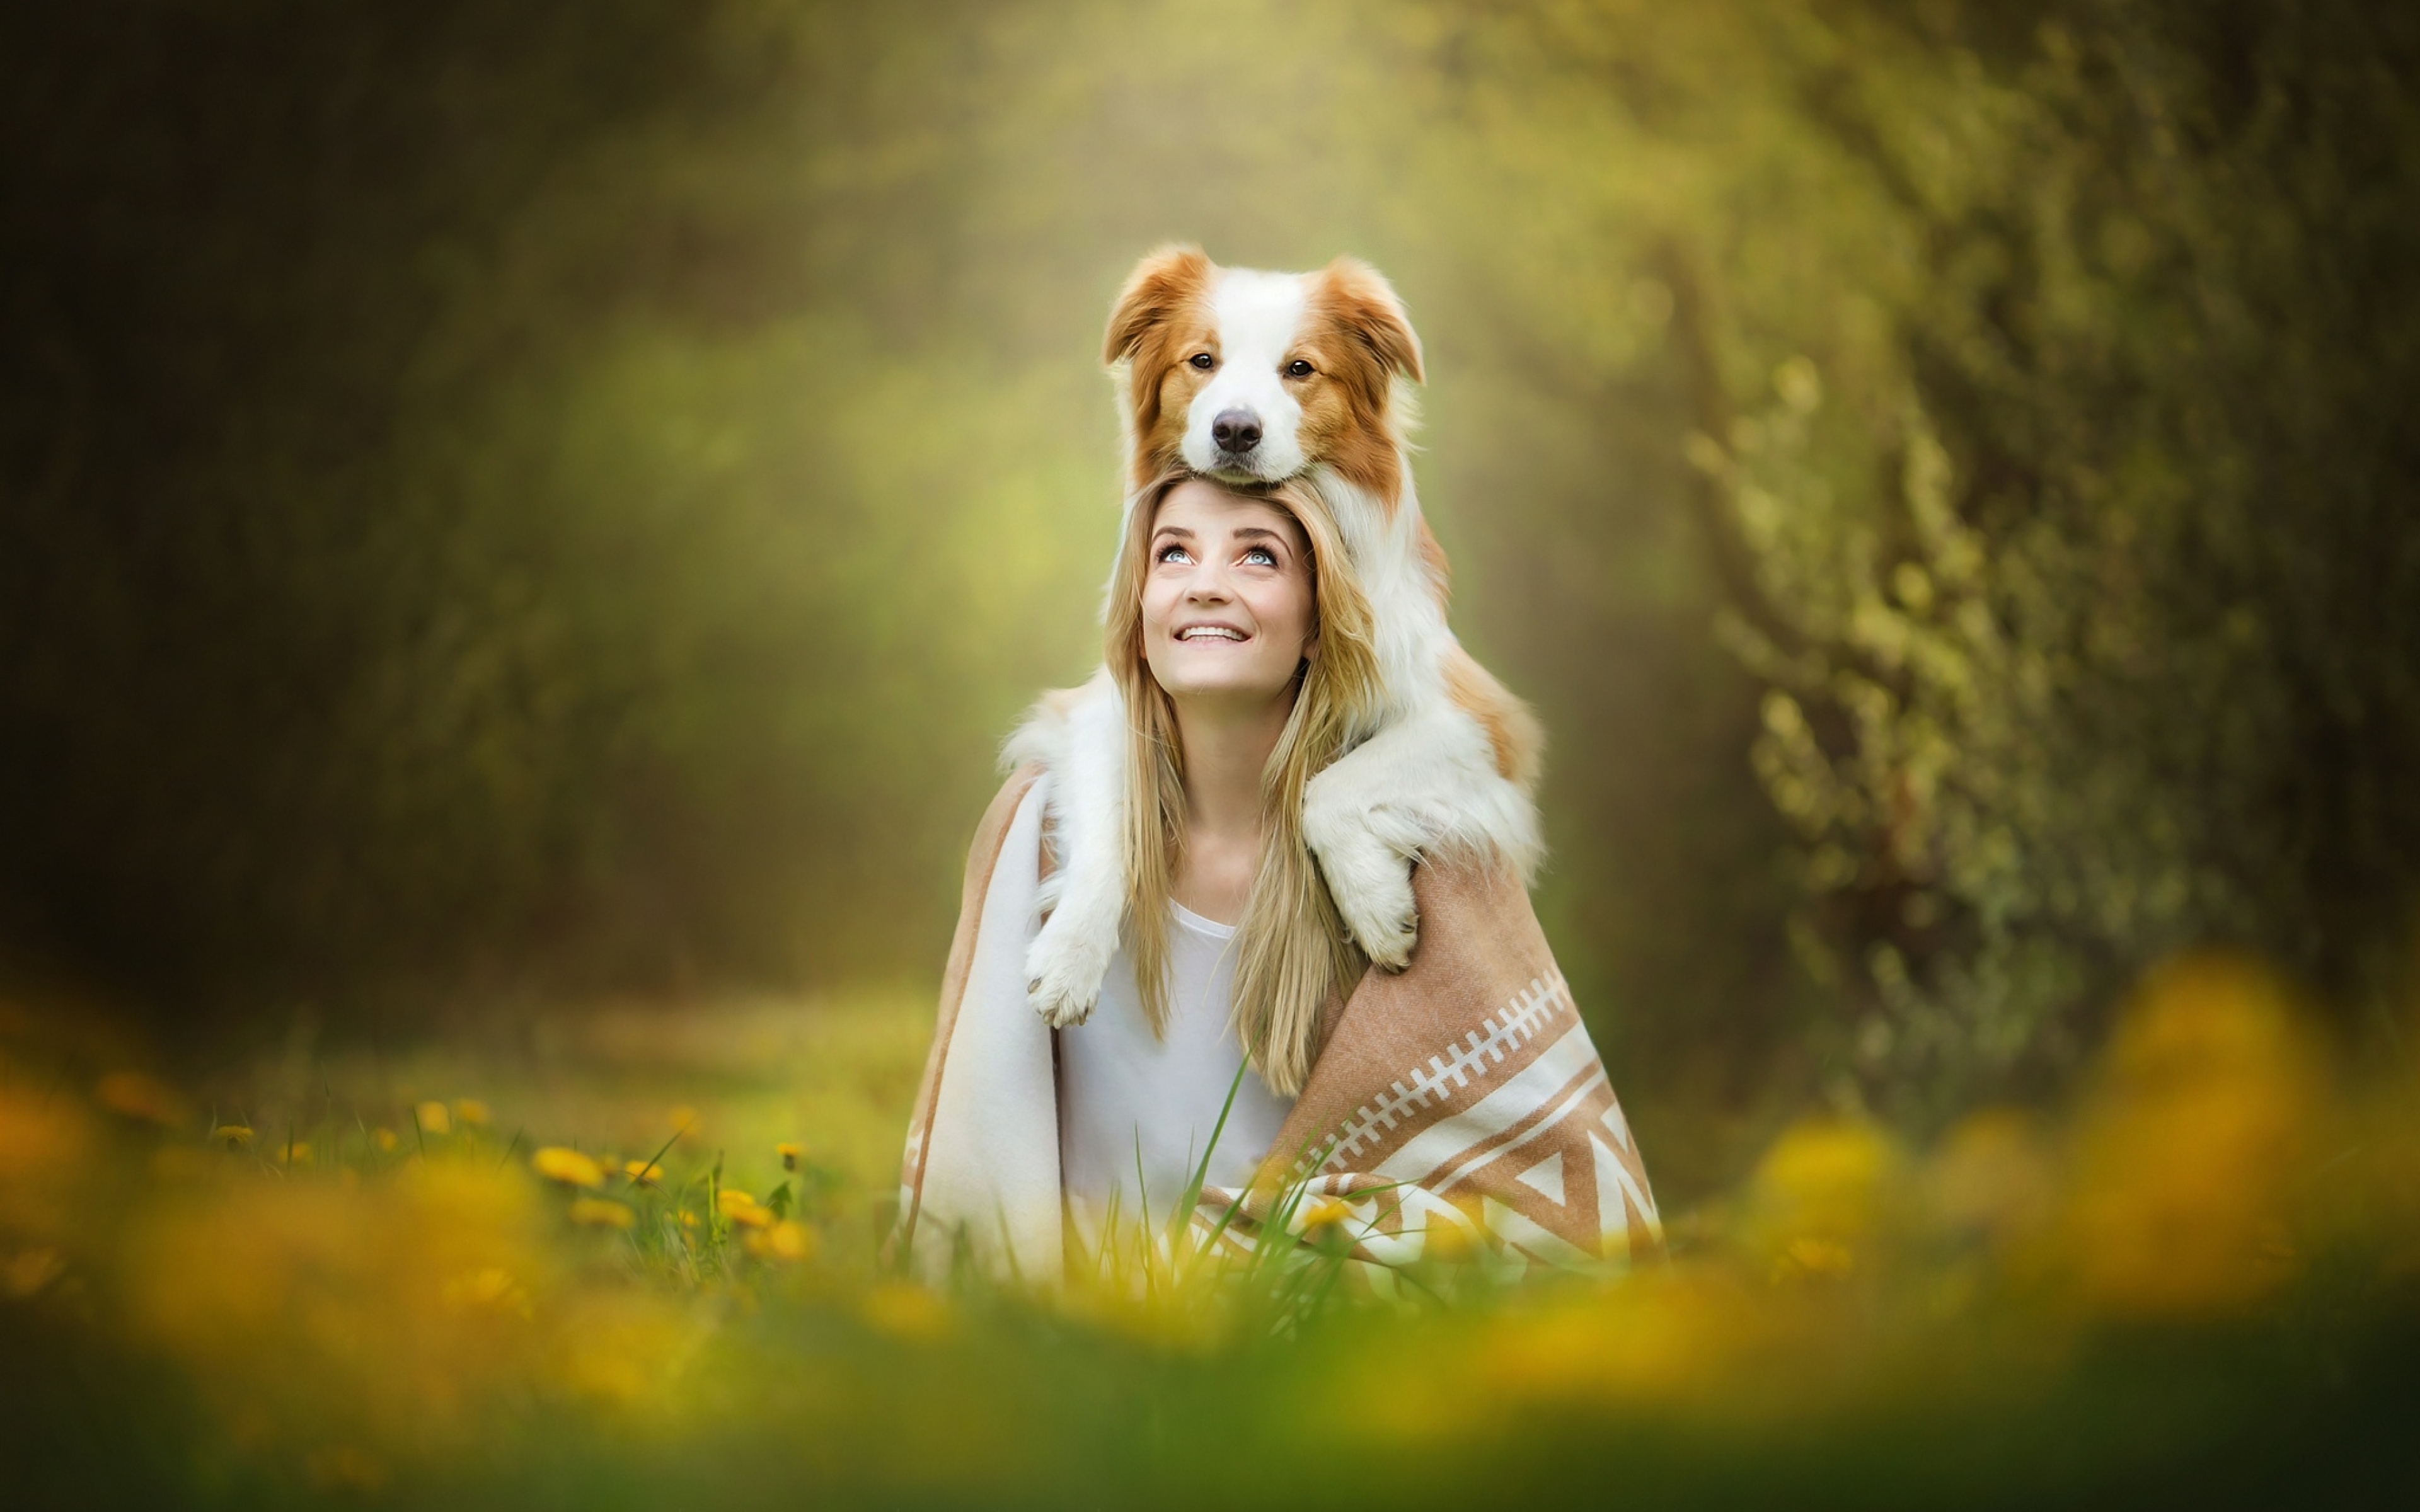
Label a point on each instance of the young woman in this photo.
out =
(1458, 1103)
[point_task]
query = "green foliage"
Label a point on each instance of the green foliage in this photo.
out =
(571, 496)
(2092, 627)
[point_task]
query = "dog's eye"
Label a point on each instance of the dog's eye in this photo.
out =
(1205, 360)
(1297, 368)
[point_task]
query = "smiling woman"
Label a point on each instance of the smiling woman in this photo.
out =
(1246, 1077)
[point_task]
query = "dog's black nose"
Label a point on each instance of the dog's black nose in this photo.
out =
(1237, 431)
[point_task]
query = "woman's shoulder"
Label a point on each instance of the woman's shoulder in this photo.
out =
(1002, 814)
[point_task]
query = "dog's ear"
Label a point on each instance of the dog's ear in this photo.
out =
(1365, 305)
(1161, 284)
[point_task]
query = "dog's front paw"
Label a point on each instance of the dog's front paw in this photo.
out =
(1063, 968)
(1373, 889)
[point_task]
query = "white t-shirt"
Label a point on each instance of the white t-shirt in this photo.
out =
(1129, 1099)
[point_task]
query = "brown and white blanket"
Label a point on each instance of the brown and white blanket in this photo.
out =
(1457, 1107)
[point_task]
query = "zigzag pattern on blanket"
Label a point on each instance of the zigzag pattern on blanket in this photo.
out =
(1510, 1143)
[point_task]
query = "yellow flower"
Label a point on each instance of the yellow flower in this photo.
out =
(433, 1118)
(298, 1153)
(785, 1242)
(2188, 1154)
(641, 1172)
(235, 1135)
(491, 1287)
(471, 1111)
(1322, 1213)
(384, 1138)
(742, 1209)
(789, 1154)
(570, 1166)
(688, 1219)
(600, 1212)
(906, 1311)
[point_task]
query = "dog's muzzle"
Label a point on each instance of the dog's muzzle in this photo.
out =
(1236, 431)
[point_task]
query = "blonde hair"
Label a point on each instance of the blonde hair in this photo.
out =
(1295, 955)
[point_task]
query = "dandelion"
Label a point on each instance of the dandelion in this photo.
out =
(688, 1219)
(743, 1210)
(234, 1135)
(432, 1118)
(788, 1242)
(384, 1138)
(641, 1172)
(1323, 1212)
(570, 1166)
(298, 1153)
(488, 1288)
(471, 1112)
(789, 1154)
(601, 1212)
(906, 1311)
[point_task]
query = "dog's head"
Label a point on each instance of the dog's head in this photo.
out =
(1254, 377)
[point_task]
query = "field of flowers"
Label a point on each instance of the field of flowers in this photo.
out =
(631, 1260)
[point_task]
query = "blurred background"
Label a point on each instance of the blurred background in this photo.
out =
(505, 507)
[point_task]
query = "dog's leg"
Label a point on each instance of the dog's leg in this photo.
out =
(1068, 958)
(1426, 784)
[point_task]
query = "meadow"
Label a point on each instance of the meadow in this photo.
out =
(523, 524)
(631, 1259)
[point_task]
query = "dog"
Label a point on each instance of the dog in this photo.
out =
(1255, 378)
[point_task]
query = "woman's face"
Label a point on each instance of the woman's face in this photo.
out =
(1227, 604)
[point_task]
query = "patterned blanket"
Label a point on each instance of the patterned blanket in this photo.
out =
(1458, 1107)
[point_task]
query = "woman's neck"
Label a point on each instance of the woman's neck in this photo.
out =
(1226, 751)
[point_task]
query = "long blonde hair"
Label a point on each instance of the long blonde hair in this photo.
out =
(1295, 953)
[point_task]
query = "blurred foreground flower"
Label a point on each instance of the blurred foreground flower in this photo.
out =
(788, 1240)
(471, 1112)
(743, 1208)
(643, 1172)
(432, 1118)
(233, 1135)
(601, 1212)
(2187, 1151)
(789, 1154)
(1821, 1195)
(570, 1166)
(907, 1311)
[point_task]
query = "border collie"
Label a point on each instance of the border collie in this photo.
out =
(1252, 377)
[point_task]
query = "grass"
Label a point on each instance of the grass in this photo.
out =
(569, 1261)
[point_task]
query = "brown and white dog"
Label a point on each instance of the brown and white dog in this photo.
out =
(1255, 377)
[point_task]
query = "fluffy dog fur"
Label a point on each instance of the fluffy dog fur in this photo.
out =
(1305, 368)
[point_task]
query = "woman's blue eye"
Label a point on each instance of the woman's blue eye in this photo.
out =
(1263, 555)
(1172, 553)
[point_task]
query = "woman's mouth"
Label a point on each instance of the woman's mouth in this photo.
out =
(1211, 632)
